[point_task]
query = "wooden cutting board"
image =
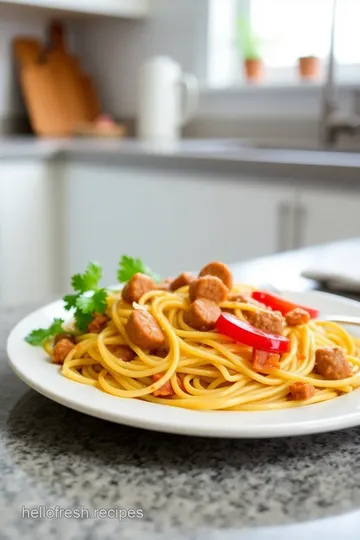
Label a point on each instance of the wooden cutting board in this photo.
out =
(59, 96)
(92, 100)
(27, 51)
(44, 102)
(79, 88)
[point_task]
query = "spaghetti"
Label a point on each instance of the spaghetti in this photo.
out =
(206, 370)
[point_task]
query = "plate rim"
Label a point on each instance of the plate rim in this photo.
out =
(111, 411)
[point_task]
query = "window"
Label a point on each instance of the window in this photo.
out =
(287, 29)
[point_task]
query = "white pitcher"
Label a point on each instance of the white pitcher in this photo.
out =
(167, 99)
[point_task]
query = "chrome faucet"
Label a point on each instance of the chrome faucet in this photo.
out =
(333, 121)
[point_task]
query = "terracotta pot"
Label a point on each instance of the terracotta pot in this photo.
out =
(309, 67)
(254, 69)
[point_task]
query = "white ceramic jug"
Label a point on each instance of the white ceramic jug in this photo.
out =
(167, 99)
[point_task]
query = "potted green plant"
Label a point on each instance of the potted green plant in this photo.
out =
(250, 45)
(309, 67)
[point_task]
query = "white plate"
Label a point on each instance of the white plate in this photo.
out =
(33, 367)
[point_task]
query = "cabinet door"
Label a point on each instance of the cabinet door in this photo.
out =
(27, 250)
(173, 221)
(325, 216)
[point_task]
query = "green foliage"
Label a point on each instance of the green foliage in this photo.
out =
(249, 44)
(39, 336)
(128, 266)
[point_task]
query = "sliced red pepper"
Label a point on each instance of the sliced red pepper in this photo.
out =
(277, 303)
(243, 332)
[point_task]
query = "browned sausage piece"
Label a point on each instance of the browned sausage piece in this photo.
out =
(98, 323)
(263, 361)
(219, 270)
(143, 330)
(138, 285)
(184, 279)
(161, 352)
(203, 314)
(267, 321)
(64, 335)
(300, 391)
(122, 351)
(297, 316)
(331, 363)
(61, 350)
(210, 287)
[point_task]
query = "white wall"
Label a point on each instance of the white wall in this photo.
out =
(113, 50)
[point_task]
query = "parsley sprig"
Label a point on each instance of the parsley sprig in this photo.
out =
(128, 266)
(39, 336)
(88, 298)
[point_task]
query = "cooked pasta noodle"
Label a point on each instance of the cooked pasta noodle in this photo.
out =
(207, 370)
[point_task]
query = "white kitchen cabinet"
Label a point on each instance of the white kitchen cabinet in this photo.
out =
(325, 216)
(173, 221)
(27, 247)
(115, 8)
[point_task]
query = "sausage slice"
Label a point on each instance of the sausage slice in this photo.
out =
(203, 314)
(219, 270)
(262, 361)
(210, 287)
(122, 351)
(183, 279)
(271, 322)
(143, 330)
(331, 363)
(64, 335)
(138, 285)
(297, 316)
(61, 350)
(300, 391)
(98, 323)
(161, 352)
(166, 390)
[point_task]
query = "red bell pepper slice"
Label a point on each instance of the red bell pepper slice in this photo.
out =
(277, 303)
(243, 332)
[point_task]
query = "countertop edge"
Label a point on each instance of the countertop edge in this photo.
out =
(319, 166)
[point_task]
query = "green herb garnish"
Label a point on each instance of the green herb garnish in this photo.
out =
(128, 266)
(39, 336)
(89, 297)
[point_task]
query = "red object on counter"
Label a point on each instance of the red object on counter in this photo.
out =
(243, 332)
(277, 303)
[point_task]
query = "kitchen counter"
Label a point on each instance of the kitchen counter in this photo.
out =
(185, 487)
(231, 157)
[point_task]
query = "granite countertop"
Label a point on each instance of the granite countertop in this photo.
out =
(226, 156)
(185, 487)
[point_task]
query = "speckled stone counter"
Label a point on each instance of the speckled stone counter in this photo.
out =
(185, 487)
